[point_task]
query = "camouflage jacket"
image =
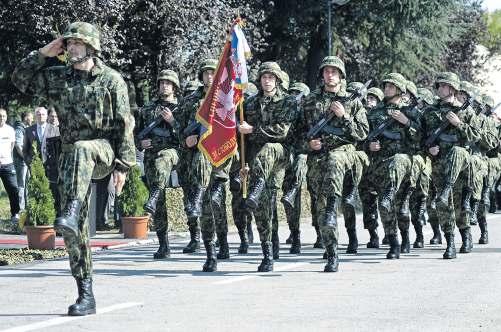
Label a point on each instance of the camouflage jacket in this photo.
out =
(164, 136)
(271, 118)
(189, 108)
(351, 128)
(90, 105)
(396, 138)
(466, 134)
(488, 135)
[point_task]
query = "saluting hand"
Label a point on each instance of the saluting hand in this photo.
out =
(53, 48)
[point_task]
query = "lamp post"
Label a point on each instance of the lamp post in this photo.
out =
(330, 4)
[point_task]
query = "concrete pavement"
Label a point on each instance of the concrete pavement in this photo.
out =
(419, 292)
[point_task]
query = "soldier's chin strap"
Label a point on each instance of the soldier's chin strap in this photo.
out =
(86, 57)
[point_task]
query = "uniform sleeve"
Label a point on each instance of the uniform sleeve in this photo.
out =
(123, 137)
(489, 139)
(357, 126)
(470, 128)
(29, 76)
(139, 125)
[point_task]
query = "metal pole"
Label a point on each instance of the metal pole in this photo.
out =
(329, 27)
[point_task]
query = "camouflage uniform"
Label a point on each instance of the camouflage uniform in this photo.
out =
(389, 171)
(328, 166)
(161, 159)
(96, 132)
(295, 174)
(271, 117)
(452, 160)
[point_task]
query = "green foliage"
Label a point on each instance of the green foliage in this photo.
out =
(40, 205)
(134, 194)
(493, 39)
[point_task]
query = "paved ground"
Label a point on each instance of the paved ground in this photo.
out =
(419, 292)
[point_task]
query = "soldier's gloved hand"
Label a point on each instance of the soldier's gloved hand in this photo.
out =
(146, 143)
(453, 119)
(191, 141)
(434, 150)
(167, 115)
(338, 109)
(315, 144)
(245, 128)
(53, 48)
(374, 146)
(118, 181)
(399, 116)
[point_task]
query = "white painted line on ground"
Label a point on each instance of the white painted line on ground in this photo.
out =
(66, 319)
(231, 280)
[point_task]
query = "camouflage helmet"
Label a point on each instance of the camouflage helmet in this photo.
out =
(354, 86)
(448, 78)
(376, 92)
(467, 87)
(205, 65)
(488, 100)
(333, 61)
(426, 95)
(85, 32)
(397, 80)
(300, 87)
(270, 67)
(169, 75)
(192, 86)
(285, 81)
(412, 88)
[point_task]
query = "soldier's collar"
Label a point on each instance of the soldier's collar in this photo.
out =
(98, 67)
(341, 93)
(276, 97)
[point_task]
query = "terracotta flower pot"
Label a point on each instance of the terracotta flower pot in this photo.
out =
(135, 227)
(41, 237)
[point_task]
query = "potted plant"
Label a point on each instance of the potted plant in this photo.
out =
(130, 204)
(40, 213)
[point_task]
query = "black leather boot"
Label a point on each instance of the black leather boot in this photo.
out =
(67, 224)
(467, 241)
(318, 243)
(492, 201)
(210, 264)
(394, 252)
(330, 217)
(374, 239)
(404, 209)
(224, 250)
(405, 247)
(151, 204)
(252, 201)
(474, 212)
(443, 198)
(419, 243)
(296, 242)
(85, 304)
(217, 194)
(465, 200)
(194, 207)
(450, 251)
(194, 243)
(244, 241)
(486, 198)
(275, 241)
(385, 240)
(388, 198)
(289, 198)
(353, 241)
(163, 249)
(484, 234)
(267, 262)
(289, 239)
(422, 209)
(437, 237)
(332, 261)
(350, 194)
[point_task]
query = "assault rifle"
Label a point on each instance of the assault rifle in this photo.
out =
(192, 129)
(430, 141)
(149, 128)
(320, 126)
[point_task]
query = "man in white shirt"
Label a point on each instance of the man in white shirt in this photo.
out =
(19, 164)
(7, 170)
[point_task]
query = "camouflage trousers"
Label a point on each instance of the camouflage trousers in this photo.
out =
(419, 180)
(269, 163)
(157, 169)
(183, 169)
(79, 164)
(452, 167)
(201, 170)
(326, 172)
(494, 171)
(477, 174)
(381, 175)
(352, 179)
(295, 175)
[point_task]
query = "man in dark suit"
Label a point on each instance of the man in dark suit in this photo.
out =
(35, 133)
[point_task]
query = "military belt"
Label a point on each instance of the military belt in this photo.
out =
(331, 130)
(395, 136)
